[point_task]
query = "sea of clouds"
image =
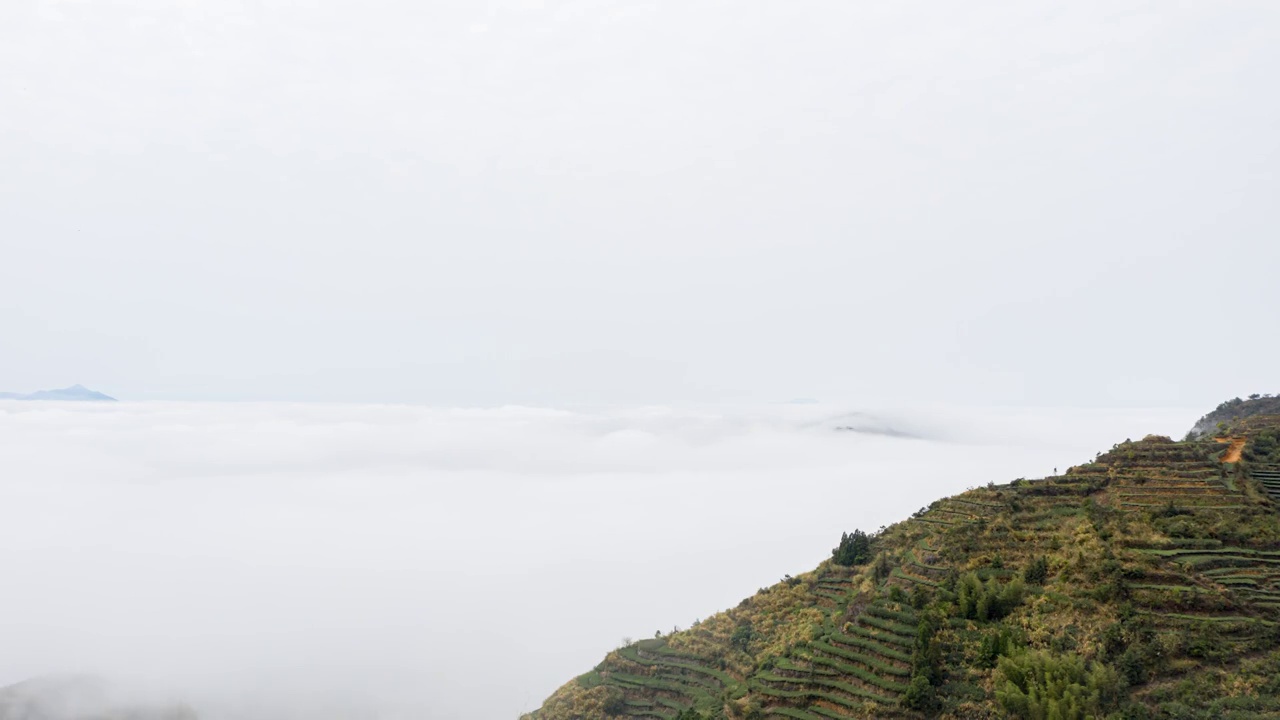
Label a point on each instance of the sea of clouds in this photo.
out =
(383, 561)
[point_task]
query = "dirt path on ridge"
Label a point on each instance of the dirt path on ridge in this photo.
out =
(1233, 452)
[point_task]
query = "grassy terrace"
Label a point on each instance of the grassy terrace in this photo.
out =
(1207, 562)
(1177, 543)
(843, 670)
(804, 669)
(839, 659)
(1268, 476)
(1167, 473)
(674, 661)
(871, 645)
(671, 704)
(888, 625)
(983, 507)
(660, 682)
(1157, 460)
(1258, 574)
(934, 520)
(1244, 623)
(1207, 487)
(644, 681)
(952, 511)
(645, 708)
(814, 712)
(1202, 488)
(832, 691)
(1185, 506)
(1251, 574)
(925, 569)
(1228, 566)
(909, 577)
(832, 595)
(1220, 550)
(1171, 588)
(1255, 596)
(1179, 499)
(848, 671)
(881, 636)
(1244, 580)
(824, 712)
(954, 515)
(787, 712)
(1150, 475)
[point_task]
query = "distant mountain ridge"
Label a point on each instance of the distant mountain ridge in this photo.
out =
(78, 393)
(79, 697)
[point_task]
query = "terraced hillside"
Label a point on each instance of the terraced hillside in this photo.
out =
(1142, 584)
(1269, 477)
(1260, 457)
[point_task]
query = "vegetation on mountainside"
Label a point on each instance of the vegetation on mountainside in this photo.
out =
(1143, 584)
(853, 549)
(1233, 410)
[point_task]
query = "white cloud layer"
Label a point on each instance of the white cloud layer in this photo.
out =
(281, 561)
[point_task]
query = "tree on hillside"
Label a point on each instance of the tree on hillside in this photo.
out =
(853, 549)
(1037, 685)
(1038, 571)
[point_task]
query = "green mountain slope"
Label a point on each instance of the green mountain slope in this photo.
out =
(1143, 584)
(1233, 410)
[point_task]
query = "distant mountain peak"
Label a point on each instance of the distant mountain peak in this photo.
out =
(75, 393)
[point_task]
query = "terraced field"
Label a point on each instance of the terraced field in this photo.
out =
(1268, 476)
(1252, 576)
(1159, 473)
(833, 587)
(1156, 474)
(953, 511)
(841, 672)
(661, 682)
(860, 667)
(916, 570)
(1198, 495)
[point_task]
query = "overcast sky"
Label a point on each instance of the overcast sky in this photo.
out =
(552, 201)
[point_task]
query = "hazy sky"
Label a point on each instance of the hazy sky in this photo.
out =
(545, 201)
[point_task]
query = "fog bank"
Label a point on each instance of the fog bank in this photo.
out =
(277, 560)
